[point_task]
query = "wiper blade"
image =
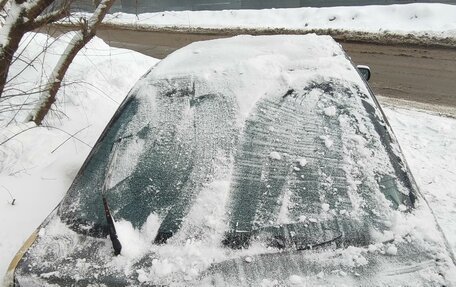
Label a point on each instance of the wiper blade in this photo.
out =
(238, 239)
(312, 246)
(111, 227)
(301, 236)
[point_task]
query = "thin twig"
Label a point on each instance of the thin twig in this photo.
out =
(13, 200)
(59, 129)
(50, 127)
(15, 135)
(70, 137)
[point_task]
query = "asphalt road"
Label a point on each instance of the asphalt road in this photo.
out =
(414, 73)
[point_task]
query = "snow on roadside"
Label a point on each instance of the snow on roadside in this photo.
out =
(34, 168)
(432, 19)
(429, 145)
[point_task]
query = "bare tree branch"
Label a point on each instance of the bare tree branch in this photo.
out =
(48, 127)
(51, 17)
(79, 40)
(70, 137)
(38, 8)
(22, 17)
(13, 29)
(2, 4)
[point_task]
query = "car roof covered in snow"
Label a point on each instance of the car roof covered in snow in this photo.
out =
(258, 63)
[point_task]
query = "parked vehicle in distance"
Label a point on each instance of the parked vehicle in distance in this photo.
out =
(248, 161)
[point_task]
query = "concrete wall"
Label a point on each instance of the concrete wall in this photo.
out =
(259, 4)
(143, 6)
(89, 6)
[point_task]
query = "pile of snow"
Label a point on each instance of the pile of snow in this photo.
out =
(38, 165)
(419, 18)
(429, 145)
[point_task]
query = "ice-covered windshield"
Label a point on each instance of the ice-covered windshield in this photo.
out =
(283, 149)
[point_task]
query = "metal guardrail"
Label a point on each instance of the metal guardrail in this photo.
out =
(144, 6)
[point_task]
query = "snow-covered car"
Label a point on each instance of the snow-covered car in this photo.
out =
(248, 161)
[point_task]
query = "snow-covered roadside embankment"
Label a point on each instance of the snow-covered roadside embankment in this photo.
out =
(429, 145)
(419, 19)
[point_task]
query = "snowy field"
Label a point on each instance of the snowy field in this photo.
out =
(436, 20)
(38, 165)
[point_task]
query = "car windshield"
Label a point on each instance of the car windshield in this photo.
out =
(306, 165)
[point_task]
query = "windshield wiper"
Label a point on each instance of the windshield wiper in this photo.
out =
(111, 227)
(312, 246)
(300, 236)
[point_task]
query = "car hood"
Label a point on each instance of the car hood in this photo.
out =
(62, 257)
(347, 267)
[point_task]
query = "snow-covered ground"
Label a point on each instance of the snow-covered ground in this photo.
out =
(429, 144)
(38, 165)
(420, 19)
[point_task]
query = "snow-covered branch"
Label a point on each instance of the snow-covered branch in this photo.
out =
(37, 7)
(79, 40)
(3, 4)
(99, 14)
(22, 17)
(51, 16)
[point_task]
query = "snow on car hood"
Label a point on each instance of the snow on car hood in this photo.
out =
(61, 257)
(246, 154)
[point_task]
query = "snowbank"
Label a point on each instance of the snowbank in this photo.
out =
(38, 165)
(429, 145)
(429, 19)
